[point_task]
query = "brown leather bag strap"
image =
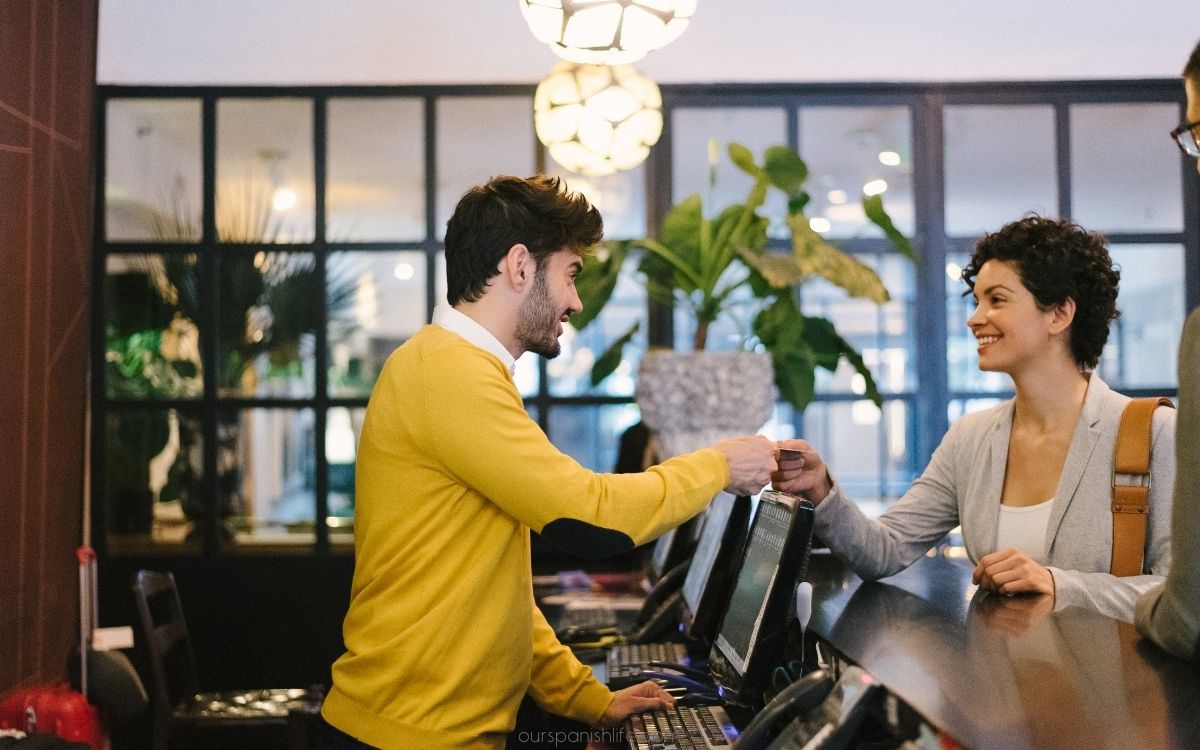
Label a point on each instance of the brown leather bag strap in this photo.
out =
(1131, 485)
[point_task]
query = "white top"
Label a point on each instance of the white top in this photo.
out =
(459, 323)
(1025, 529)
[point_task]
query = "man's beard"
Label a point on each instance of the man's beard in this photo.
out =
(537, 320)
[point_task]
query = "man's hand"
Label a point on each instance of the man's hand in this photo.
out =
(804, 475)
(751, 460)
(645, 696)
(1010, 571)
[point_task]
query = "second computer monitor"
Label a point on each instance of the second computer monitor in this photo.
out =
(714, 565)
(751, 639)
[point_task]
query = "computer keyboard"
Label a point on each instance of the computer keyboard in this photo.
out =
(628, 659)
(592, 618)
(682, 727)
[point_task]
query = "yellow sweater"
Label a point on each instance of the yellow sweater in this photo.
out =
(442, 637)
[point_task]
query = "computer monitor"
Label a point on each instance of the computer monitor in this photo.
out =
(674, 546)
(714, 565)
(751, 639)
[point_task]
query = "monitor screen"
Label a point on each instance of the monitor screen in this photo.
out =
(759, 567)
(662, 553)
(706, 551)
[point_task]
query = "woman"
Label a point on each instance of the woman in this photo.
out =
(1029, 479)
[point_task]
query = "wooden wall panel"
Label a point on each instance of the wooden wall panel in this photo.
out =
(47, 77)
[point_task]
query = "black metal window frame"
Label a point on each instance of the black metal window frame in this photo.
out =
(926, 104)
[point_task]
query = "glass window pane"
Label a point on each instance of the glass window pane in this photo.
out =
(1122, 179)
(1000, 164)
(268, 323)
(376, 301)
(376, 182)
(265, 170)
(343, 427)
(153, 477)
(591, 434)
(882, 334)
(1143, 343)
(869, 449)
(570, 372)
(846, 148)
(479, 138)
(962, 354)
(152, 342)
(620, 198)
(756, 128)
(271, 497)
(152, 178)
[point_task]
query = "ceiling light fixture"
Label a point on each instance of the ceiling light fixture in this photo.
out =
(597, 119)
(606, 32)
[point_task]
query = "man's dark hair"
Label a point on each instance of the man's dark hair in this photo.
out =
(538, 212)
(1057, 259)
(1191, 71)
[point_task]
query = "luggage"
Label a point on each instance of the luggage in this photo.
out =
(52, 709)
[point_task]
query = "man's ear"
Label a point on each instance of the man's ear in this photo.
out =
(517, 267)
(1062, 316)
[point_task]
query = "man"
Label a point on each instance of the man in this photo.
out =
(1170, 614)
(443, 638)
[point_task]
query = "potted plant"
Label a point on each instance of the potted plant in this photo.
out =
(721, 266)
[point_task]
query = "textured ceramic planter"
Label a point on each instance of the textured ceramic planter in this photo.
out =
(690, 400)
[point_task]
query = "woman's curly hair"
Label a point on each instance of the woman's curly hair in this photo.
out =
(1058, 259)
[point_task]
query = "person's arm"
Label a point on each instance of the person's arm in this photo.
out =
(559, 682)
(1170, 614)
(878, 548)
(484, 437)
(1117, 595)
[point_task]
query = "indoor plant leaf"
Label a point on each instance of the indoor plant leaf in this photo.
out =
(598, 279)
(814, 255)
(608, 362)
(873, 207)
(785, 169)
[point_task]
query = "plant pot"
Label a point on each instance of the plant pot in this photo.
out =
(690, 400)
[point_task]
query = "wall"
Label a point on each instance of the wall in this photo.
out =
(46, 82)
(475, 41)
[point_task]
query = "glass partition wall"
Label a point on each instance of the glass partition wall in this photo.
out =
(261, 251)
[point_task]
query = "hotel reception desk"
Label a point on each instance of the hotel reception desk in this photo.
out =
(1004, 672)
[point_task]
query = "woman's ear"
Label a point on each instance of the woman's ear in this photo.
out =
(1062, 315)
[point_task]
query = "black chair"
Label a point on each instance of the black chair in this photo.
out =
(184, 717)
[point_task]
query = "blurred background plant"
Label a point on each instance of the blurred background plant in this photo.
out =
(719, 265)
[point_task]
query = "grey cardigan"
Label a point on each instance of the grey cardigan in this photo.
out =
(1170, 614)
(962, 485)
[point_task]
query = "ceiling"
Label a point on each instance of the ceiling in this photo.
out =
(486, 41)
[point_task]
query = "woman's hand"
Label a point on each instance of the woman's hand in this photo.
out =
(1010, 571)
(802, 473)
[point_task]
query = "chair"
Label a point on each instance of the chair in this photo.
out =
(184, 717)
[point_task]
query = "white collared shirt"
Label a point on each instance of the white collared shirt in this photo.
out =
(459, 323)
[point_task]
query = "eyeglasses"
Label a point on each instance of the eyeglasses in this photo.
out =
(1185, 136)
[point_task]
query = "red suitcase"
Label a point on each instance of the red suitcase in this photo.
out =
(53, 709)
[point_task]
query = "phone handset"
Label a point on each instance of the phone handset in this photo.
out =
(670, 583)
(797, 699)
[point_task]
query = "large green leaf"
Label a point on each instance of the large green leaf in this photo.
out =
(598, 279)
(785, 169)
(779, 271)
(680, 229)
(611, 358)
(873, 206)
(815, 256)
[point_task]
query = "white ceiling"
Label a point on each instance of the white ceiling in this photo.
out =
(486, 41)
